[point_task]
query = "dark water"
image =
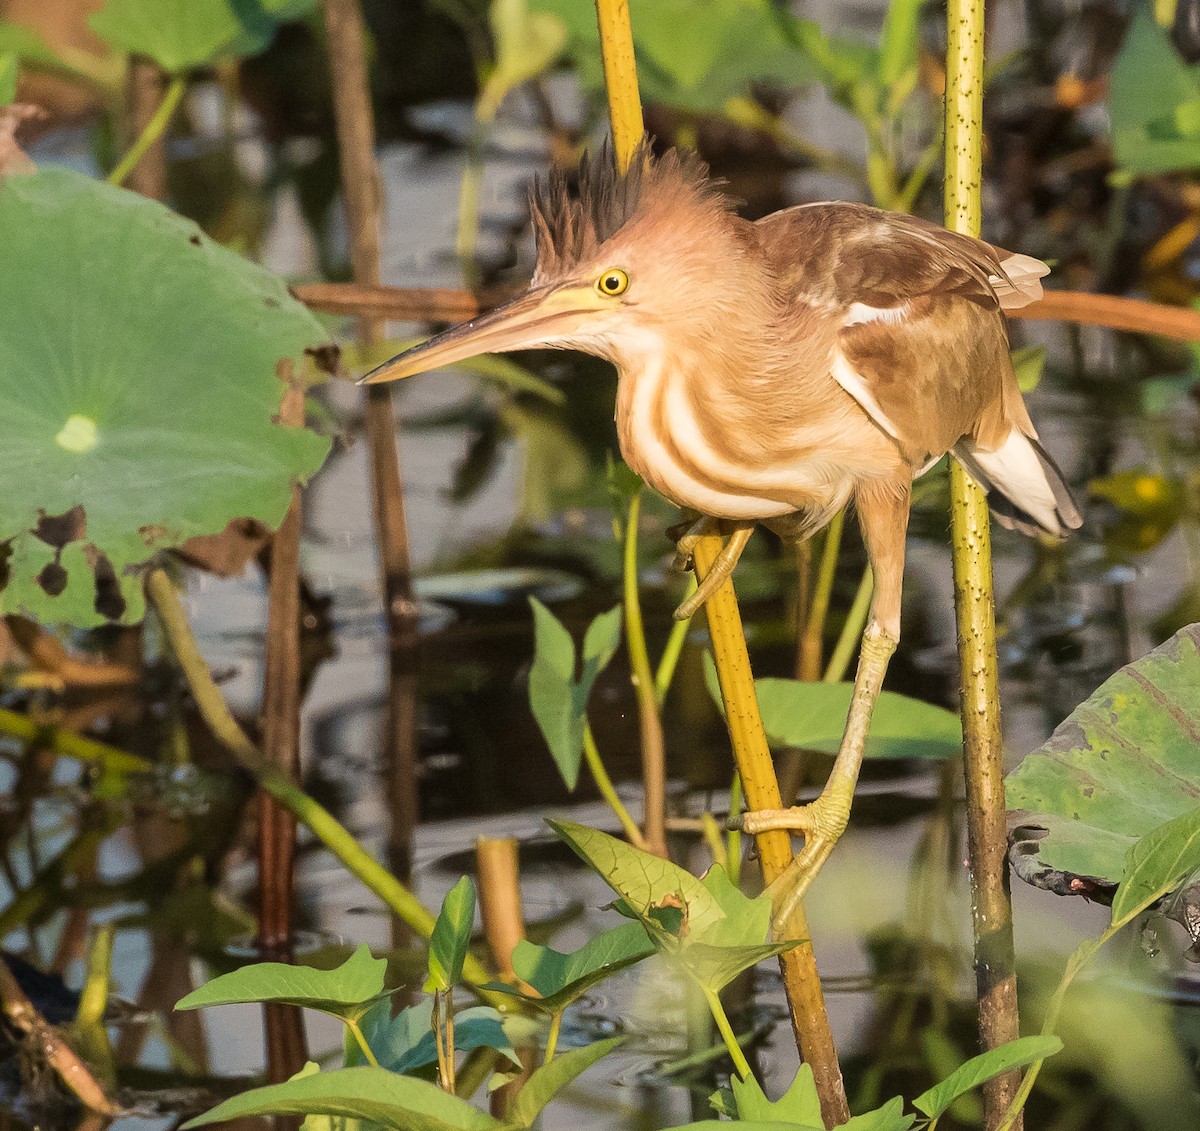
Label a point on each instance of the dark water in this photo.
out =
(890, 913)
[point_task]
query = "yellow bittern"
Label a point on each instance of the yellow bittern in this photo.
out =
(773, 371)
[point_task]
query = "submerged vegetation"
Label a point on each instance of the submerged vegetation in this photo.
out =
(170, 404)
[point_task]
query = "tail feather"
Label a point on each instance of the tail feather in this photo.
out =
(1021, 282)
(1026, 490)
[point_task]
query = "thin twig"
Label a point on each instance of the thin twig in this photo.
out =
(595, 765)
(974, 604)
(654, 774)
(812, 643)
(411, 304)
(363, 191)
(281, 715)
(153, 131)
(50, 1046)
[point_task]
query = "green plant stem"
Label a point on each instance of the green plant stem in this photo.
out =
(733, 838)
(812, 642)
(155, 128)
(448, 1012)
(595, 765)
(71, 745)
(919, 175)
(1082, 955)
(801, 980)
(361, 1040)
(93, 1000)
(556, 1019)
(315, 817)
(740, 1063)
(669, 660)
(852, 630)
(654, 771)
(711, 832)
(467, 238)
(974, 604)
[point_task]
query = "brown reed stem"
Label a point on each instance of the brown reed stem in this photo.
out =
(281, 716)
(363, 191)
(497, 865)
(414, 304)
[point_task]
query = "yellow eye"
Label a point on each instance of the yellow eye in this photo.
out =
(614, 281)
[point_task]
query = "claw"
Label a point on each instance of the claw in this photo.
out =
(722, 567)
(686, 535)
(823, 821)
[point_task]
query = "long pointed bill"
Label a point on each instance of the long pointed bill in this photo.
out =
(536, 318)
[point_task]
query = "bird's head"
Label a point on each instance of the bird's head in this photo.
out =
(645, 261)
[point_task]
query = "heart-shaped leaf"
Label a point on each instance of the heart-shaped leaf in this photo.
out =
(799, 1104)
(1014, 1054)
(406, 1042)
(346, 991)
(1156, 866)
(561, 978)
(399, 1102)
(1146, 134)
(706, 926)
(549, 1079)
(812, 716)
(559, 700)
(451, 937)
(142, 413)
(526, 44)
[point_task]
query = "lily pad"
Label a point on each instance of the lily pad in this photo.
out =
(143, 366)
(1123, 763)
(180, 35)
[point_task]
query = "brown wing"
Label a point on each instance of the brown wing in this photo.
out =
(921, 345)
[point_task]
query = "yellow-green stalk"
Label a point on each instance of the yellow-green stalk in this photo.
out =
(746, 732)
(996, 984)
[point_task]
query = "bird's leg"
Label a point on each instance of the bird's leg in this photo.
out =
(883, 516)
(723, 565)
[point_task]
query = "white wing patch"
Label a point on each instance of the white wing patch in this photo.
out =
(856, 385)
(860, 313)
(1024, 282)
(1015, 471)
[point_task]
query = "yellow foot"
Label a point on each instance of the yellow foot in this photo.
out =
(722, 567)
(686, 534)
(823, 821)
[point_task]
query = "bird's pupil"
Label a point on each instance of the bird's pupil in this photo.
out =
(612, 283)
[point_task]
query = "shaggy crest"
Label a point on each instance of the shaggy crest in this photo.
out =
(569, 228)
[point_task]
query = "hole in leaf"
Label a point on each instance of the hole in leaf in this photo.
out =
(53, 578)
(58, 529)
(110, 603)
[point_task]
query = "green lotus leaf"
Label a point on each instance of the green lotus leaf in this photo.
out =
(1121, 764)
(180, 35)
(142, 367)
